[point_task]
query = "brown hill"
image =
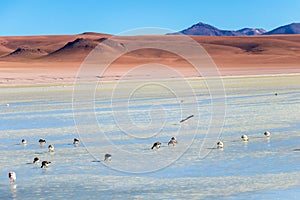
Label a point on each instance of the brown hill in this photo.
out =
(25, 53)
(75, 50)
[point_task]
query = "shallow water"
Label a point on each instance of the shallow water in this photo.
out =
(261, 168)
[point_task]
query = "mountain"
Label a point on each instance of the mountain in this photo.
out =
(208, 30)
(293, 28)
(251, 31)
(205, 29)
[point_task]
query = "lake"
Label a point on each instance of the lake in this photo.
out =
(125, 118)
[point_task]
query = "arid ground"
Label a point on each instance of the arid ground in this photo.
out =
(57, 58)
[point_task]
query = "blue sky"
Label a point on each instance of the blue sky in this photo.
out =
(43, 17)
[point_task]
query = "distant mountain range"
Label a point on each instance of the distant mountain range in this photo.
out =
(209, 30)
(293, 28)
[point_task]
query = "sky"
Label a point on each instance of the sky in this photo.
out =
(48, 17)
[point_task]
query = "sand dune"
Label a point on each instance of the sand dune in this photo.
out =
(232, 55)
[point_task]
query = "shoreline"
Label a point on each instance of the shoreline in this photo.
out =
(108, 80)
